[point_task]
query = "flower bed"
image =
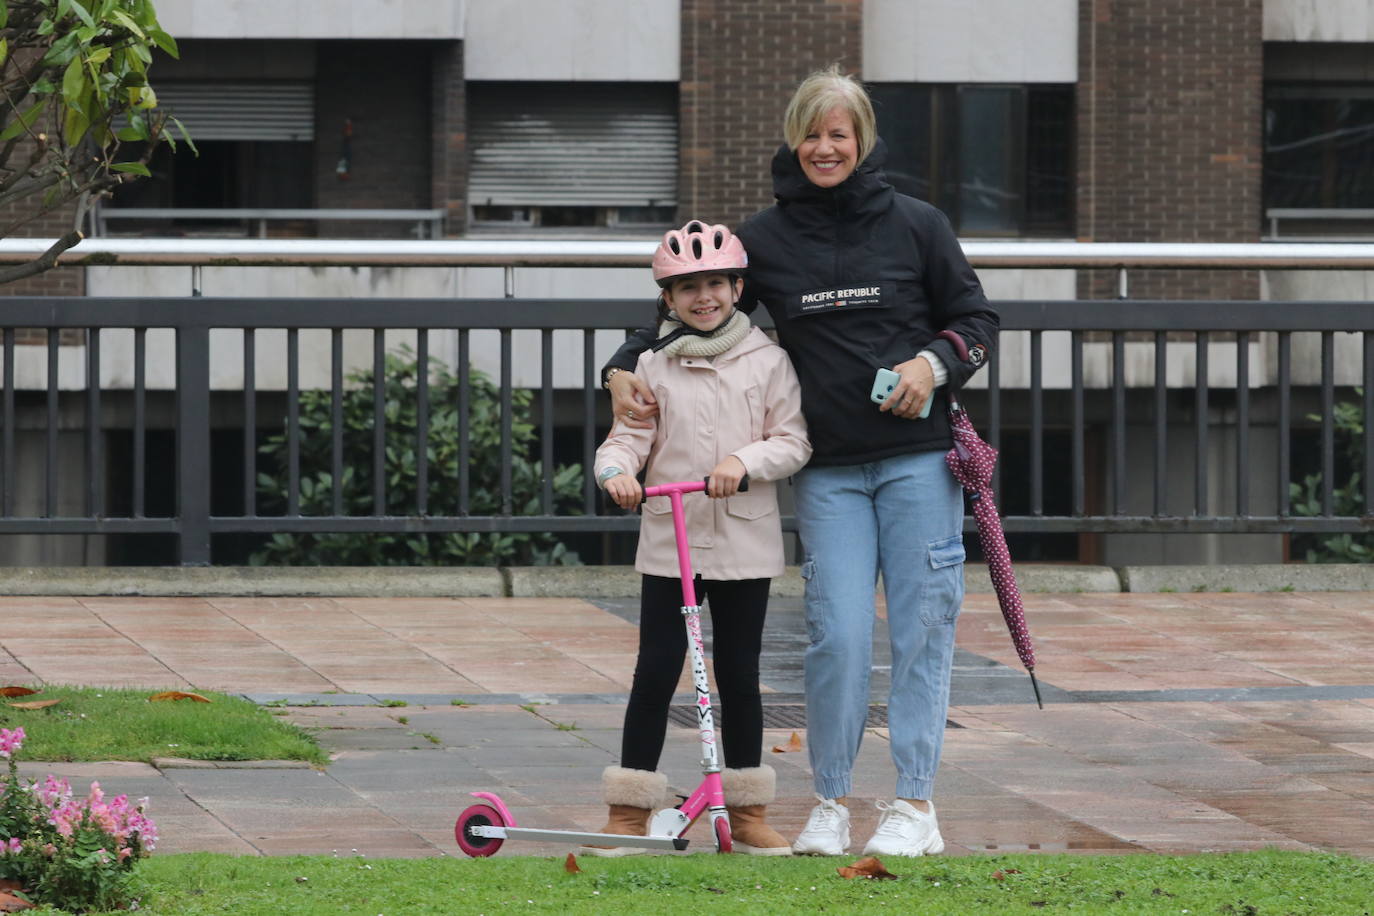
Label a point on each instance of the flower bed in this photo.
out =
(73, 853)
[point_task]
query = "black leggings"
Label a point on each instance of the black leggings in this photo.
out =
(738, 607)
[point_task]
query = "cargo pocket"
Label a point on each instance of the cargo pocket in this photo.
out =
(943, 590)
(814, 601)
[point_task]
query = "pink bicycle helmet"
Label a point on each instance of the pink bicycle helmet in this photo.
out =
(696, 249)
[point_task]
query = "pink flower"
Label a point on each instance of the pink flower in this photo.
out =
(11, 740)
(53, 792)
(11, 846)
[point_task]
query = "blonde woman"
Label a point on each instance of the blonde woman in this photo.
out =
(858, 278)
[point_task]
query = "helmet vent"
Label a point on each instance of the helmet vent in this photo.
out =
(696, 247)
(693, 226)
(719, 240)
(675, 245)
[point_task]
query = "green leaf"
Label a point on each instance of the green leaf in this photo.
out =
(166, 42)
(74, 126)
(135, 168)
(46, 27)
(4, 49)
(123, 19)
(73, 83)
(81, 13)
(25, 120)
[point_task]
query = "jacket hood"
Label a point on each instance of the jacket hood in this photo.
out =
(867, 183)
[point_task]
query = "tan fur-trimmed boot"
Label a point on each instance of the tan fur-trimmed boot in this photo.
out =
(632, 796)
(748, 793)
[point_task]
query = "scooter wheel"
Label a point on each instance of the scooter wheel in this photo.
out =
(723, 840)
(478, 816)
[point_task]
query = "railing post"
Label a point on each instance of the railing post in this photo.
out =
(193, 445)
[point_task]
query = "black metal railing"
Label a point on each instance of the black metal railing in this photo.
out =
(1099, 502)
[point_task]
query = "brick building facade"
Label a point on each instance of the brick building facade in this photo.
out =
(740, 60)
(1167, 98)
(1169, 102)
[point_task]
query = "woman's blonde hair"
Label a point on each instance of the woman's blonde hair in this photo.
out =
(817, 95)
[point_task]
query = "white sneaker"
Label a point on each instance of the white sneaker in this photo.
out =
(826, 832)
(904, 830)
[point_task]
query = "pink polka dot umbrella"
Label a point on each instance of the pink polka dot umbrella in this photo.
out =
(971, 461)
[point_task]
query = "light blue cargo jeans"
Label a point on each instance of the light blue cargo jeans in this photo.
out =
(902, 516)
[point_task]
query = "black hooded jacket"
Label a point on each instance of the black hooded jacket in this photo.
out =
(857, 278)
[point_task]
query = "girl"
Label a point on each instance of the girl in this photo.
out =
(729, 405)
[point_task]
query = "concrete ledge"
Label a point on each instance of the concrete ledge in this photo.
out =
(1037, 577)
(572, 581)
(608, 582)
(1277, 577)
(623, 581)
(254, 581)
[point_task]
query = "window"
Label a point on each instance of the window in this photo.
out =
(572, 155)
(1319, 146)
(998, 160)
(256, 149)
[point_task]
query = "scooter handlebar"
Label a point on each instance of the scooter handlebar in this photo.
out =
(689, 486)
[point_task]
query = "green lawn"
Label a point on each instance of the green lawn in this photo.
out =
(1269, 883)
(94, 723)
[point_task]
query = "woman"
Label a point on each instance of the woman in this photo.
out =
(858, 277)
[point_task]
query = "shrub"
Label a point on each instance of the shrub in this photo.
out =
(75, 854)
(415, 549)
(1348, 500)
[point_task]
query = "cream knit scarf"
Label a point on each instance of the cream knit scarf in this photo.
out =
(717, 342)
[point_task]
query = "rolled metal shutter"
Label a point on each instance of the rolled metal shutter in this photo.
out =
(572, 144)
(241, 111)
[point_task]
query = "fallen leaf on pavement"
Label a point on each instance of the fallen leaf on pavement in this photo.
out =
(793, 744)
(868, 867)
(16, 691)
(178, 695)
(570, 864)
(35, 704)
(12, 904)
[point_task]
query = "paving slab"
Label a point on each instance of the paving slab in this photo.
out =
(1174, 722)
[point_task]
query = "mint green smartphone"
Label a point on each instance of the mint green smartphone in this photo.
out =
(884, 382)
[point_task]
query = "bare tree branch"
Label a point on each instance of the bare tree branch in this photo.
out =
(46, 261)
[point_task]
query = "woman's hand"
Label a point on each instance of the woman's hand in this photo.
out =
(632, 403)
(625, 490)
(910, 396)
(725, 478)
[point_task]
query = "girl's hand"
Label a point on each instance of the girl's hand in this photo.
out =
(910, 396)
(632, 403)
(625, 490)
(725, 478)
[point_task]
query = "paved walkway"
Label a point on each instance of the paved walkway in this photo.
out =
(1173, 722)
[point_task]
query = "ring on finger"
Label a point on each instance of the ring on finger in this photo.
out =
(630, 414)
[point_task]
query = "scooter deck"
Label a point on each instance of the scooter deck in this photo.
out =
(578, 836)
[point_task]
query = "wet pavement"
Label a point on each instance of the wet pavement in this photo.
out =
(1173, 722)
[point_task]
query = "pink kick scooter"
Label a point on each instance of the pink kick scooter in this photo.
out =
(482, 828)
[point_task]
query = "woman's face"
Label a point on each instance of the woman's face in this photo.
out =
(830, 151)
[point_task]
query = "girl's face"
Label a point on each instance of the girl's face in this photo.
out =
(830, 151)
(705, 301)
